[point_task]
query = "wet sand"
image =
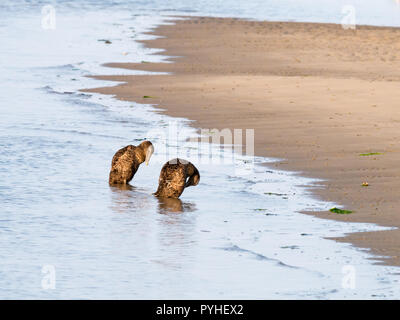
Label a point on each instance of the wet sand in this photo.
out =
(318, 97)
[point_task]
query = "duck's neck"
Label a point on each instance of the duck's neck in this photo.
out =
(140, 155)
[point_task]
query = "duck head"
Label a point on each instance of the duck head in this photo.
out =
(148, 150)
(194, 176)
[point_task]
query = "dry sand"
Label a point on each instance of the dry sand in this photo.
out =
(317, 96)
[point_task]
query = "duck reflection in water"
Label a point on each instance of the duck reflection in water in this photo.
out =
(174, 205)
(127, 198)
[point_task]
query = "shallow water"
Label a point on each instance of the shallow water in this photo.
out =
(238, 234)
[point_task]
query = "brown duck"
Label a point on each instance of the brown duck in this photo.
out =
(175, 176)
(126, 162)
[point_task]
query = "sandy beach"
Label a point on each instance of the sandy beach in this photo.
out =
(321, 98)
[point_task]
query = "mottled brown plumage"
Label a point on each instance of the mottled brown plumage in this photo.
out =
(127, 160)
(175, 176)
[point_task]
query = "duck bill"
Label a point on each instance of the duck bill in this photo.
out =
(149, 153)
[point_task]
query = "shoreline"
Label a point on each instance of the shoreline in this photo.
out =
(317, 96)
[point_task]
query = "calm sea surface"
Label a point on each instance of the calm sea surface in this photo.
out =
(64, 233)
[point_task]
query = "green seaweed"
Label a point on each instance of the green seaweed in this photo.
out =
(105, 41)
(147, 97)
(290, 247)
(370, 154)
(275, 194)
(340, 211)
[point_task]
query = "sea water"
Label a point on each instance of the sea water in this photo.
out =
(65, 233)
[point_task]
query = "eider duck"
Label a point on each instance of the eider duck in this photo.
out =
(176, 175)
(126, 162)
